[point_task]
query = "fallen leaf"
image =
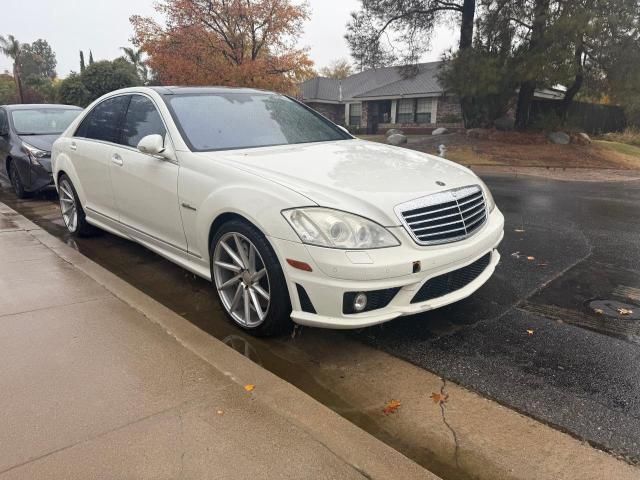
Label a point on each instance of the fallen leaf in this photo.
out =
(599, 311)
(519, 230)
(531, 258)
(439, 398)
(249, 387)
(530, 332)
(624, 311)
(392, 406)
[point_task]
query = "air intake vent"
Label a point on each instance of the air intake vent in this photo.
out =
(450, 282)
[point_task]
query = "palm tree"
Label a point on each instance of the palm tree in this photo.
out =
(12, 48)
(135, 57)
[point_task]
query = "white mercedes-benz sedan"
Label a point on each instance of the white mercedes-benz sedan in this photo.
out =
(285, 212)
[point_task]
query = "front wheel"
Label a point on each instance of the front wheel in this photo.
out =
(72, 212)
(16, 181)
(249, 279)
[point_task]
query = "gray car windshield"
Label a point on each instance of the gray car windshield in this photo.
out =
(43, 121)
(228, 121)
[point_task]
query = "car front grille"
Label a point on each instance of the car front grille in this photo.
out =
(450, 282)
(444, 217)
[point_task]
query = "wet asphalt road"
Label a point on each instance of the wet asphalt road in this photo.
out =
(577, 370)
(529, 338)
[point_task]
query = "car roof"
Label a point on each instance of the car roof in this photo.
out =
(31, 106)
(178, 90)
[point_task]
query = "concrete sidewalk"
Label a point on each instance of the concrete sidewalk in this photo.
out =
(97, 380)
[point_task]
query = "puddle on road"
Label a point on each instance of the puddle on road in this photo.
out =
(593, 295)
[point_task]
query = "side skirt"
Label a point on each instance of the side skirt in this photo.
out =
(174, 254)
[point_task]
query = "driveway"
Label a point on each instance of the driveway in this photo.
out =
(530, 339)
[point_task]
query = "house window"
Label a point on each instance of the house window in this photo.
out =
(355, 112)
(423, 110)
(405, 111)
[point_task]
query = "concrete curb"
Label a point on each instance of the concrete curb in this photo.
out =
(365, 453)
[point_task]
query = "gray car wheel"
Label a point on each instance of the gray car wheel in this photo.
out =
(16, 181)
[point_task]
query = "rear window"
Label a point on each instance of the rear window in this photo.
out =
(43, 121)
(244, 120)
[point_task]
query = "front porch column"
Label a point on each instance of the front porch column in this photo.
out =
(434, 110)
(394, 109)
(364, 116)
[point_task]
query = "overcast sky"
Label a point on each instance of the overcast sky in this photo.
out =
(103, 27)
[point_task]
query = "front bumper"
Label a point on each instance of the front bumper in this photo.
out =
(336, 272)
(40, 177)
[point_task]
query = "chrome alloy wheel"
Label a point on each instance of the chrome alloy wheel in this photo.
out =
(68, 205)
(242, 280)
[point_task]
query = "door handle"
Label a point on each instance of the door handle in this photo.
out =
(117, 159)
(73, 146)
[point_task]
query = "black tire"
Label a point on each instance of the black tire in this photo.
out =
(82, 227)
(16, 181)
(278, 314)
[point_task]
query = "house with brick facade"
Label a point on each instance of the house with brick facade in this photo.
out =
(376, 100)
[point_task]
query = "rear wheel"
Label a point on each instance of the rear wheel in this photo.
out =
(16, 181)
(249, 279)
(72, 212)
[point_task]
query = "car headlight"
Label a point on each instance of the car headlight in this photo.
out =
(34, 153)
(326, 227)
(491, 203)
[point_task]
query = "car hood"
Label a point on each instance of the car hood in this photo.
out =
(43, 142)
(361, 177)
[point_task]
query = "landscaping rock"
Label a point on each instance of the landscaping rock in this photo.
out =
(396, 139)
(581, 139)
(440, 131)
(504, 123)
(559, 138)
(481, 133)
(394, 131)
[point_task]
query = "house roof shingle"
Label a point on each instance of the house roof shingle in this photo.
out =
(380, 82)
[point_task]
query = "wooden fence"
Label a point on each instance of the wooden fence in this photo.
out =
(589, 117)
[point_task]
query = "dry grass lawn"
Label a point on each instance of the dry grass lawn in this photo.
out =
(600, 154)
(527, 150)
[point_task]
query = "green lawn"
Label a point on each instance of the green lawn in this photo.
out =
(623, 148)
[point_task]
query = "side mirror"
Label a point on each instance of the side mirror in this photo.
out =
(151, 145)
(4, 131)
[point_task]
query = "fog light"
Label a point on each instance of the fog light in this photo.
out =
(360, 302)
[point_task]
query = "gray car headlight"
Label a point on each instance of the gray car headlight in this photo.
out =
(491, 203)
(326, 227)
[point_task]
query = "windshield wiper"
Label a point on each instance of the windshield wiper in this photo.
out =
(37, 133)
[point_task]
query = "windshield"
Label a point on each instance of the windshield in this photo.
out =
(43, 121)
(244, 120)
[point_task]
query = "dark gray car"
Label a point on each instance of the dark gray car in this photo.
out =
(27, 133)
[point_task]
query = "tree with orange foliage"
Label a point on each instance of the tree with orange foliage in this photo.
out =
(249, 43)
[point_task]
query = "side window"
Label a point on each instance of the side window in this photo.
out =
(103, 122)
(142, 119)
